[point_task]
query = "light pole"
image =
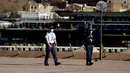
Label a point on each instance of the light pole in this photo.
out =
(101, 6)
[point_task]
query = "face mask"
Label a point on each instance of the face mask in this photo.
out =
(52, 30)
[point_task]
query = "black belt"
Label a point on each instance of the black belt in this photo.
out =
(51, 43)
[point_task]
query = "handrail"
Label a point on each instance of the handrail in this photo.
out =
(60, 47)
(114, 47)
(21, 46)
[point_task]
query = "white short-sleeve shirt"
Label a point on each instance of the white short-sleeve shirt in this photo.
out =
(51, 37)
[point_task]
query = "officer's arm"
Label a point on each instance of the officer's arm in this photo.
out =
(55, 40)
(47, 40)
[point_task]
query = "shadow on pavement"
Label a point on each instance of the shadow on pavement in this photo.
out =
(127, 60)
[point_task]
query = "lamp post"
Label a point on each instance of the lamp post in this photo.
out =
(101, 6)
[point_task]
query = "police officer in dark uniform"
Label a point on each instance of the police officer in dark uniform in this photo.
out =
(89, 50)
(88, 43)
(85, 34)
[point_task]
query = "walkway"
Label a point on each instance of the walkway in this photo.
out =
(35, 65)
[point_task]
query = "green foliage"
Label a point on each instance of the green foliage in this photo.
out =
(25, 7)
(14, 15)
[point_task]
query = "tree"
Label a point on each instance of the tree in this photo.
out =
(25, 7)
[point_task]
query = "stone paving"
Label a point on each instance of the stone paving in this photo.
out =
(35, 65)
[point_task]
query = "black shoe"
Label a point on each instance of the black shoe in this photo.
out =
(89, 64)
(58, 63)
(46, 64)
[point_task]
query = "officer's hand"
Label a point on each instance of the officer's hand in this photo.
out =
(56, 45)
(50, 45)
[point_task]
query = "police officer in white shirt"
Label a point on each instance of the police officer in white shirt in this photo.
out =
(50, 47)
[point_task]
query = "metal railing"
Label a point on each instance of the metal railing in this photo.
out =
(59, 48)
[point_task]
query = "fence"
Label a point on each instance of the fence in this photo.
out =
(60, 48)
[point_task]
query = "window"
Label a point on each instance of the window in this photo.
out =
(124, 1)
(109, 2)
(109, 5)
(31, 7)
(35, 7)
(125, 7)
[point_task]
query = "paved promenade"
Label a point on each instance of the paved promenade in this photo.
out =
(35, 65)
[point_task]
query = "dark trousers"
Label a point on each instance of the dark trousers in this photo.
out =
(51, 49)
(89, 52)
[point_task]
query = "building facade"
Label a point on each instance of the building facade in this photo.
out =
(13, 5)
(32, 6)
(118, 5)
(26, 5)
